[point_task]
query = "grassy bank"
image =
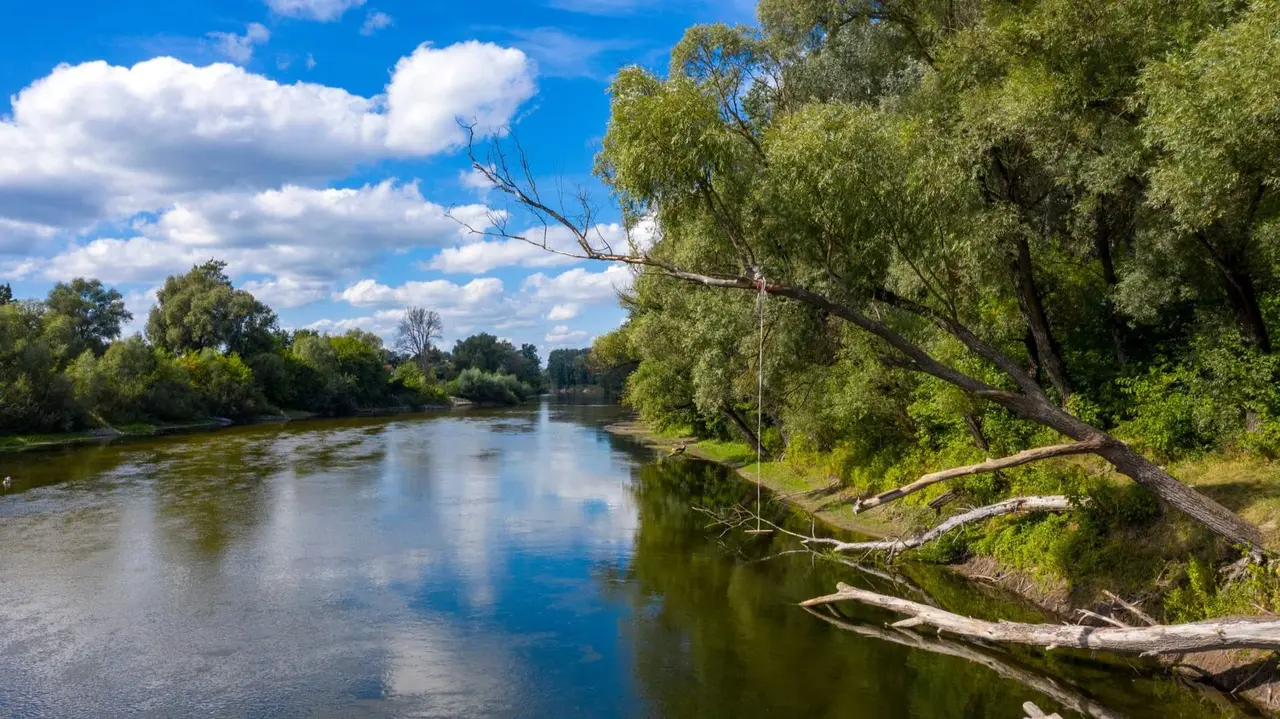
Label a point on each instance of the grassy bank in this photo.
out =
(1122, 542)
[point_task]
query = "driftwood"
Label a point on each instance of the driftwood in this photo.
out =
(1060, 692)
(991, 465)
(1054, 503)
(1034, 712)
(1230, 633)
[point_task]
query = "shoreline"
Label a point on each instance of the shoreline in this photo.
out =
(1240, 673)
(19, 444)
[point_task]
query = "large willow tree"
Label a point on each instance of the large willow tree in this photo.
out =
(921, 171)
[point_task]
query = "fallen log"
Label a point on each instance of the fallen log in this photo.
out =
(1054, 503)
(1061, 692)
(1229, 633)
(991, 465)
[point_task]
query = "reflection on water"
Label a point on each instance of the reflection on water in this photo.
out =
(514, 563)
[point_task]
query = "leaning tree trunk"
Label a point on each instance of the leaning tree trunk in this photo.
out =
(736, 419)
(1102, 244)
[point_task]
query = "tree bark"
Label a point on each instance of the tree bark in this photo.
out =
(1238, 283)
(1230, 633)
(736, 419)
(1037, 320)
(1056, 503)
(1102, 245)
(991, 465)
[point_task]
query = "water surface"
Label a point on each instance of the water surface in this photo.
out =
(497, 564)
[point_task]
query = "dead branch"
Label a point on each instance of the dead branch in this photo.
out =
(1065, 695)
(1132, 609)
(1230, 633)
(991, 465)
(1053, 503)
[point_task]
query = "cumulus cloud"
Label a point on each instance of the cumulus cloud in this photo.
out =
(565, 311)
(239, 48)
(580, 285)
(287, 291)
(319, 10)
(431, 89)
(436, 294)
(301, 236)
(374, 22)
(95, 141)
(562, 334)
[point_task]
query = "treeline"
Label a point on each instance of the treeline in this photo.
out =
(575, 369)
(212, 350)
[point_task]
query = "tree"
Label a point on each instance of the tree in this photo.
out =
(6, 294)
(918, 221)
(483, 351)
(416, 332)
(202, 310)
(96, 312)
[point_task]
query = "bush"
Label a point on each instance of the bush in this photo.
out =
(411, 387)
(479, 386)
(223, 384)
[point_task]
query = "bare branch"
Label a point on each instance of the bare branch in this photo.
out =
(1230, 633)
(991, 465)
(1132, 609)
(1054, 503)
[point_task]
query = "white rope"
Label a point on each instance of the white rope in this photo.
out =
(760, 401)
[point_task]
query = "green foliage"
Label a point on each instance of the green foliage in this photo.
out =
(95, 312)
(489, 387)
(1200, 595)
(201, 310)
(223, 384)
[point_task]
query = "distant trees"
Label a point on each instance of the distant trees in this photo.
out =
(568, 368)
(487, 353)
(210, 350)
(417, 330)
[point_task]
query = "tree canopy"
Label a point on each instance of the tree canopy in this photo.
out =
(963, 215)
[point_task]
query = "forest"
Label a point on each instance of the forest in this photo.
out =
(986, 250)
(211, 350)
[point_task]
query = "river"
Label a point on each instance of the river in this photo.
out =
(492, 564)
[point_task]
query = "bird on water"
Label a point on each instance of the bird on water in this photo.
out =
(7, 482)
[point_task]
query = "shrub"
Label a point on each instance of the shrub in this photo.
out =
(479, 386)
(223, 383)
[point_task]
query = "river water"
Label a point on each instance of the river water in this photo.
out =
(519, 563)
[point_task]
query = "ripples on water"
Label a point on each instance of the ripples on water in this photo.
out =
(515, 563)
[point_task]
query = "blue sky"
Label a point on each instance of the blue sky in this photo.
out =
(313, 145)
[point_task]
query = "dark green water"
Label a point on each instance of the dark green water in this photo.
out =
(522, 563)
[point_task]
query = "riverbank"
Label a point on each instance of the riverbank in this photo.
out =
(141, 430)
(1250, 487)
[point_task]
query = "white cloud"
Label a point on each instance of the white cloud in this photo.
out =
(321, 10)
(239, 48)
(286, 292)
(566, 311)
(580, 285)
(304, 238)
(474, 179)
(374, 22)
(95, 141)
(562, 334)
(429, 90)
(440, 295)
(311, 61)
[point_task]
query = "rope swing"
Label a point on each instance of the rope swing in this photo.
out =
(760, 404)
